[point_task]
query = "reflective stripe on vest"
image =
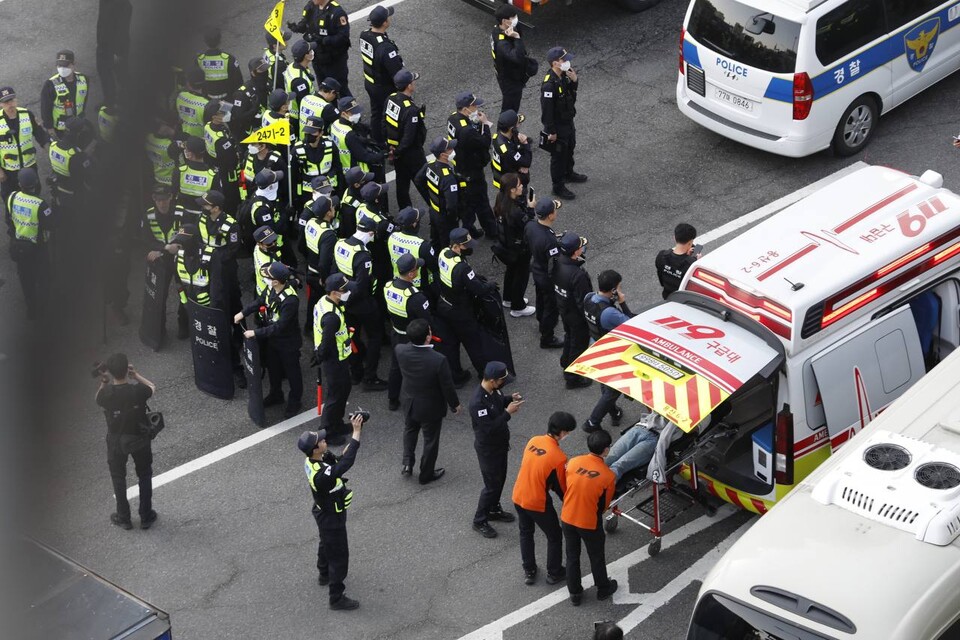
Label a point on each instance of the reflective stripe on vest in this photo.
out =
(339, 131)
(106, 124)
(400, 243)
(162, 163)
(275, 300)
(16, 147)
(63, 106)
(290, 74)
(391, 113)
(60, 159)
(310, 107)
(157, 231)
(397, 300)
(433, 188)
(195, 182)
(190, 109)
(196, 283)
(215, 67)
(260, 259)
(447, 261)
(343, 255)
(219, 237)
(211, 137)
(314, 231)
(323, 307)
(24, 210)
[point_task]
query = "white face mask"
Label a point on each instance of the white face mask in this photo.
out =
(253, 149)
(565, 65)
(64, 71)
(344, 296)
(270, 193)
(354, 118)
(514, 22)
(335, 224)
(475, 117)
(452, 155)
(364, 236)
(226, 117)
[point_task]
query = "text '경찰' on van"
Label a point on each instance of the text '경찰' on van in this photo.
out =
(865, 547)
(794, 77)
(805, 327)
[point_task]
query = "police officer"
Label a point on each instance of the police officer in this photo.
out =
(63, 95)
(316, 156)
(571, 282)
(30, 220)
(162, 151)
(509, 57)
(381, 62)
(355, 148)
(298, 80)
(321, 105)
(558, 98)
(406, 131)
(266, 209)
(352, 258)
(372, 195)
(222, 151)
(460, 286)
(511, 152)
(326, 23)
(197, 273)
(442, 183)
(406, 239)
(194, 177)
(259, 156)
(159, 226)
(190, 103)
(73, 169)
(544, 247)
(331, 499)
(490, 413)
(221, 71)
(18, 132)
(605, 310)
(276, 60)
(282, 335)
(405, 302)
(470, 127)
(353, 180)
(333, 341)
(320, 231)
(265, 252)
(250, 100)
(672, 264)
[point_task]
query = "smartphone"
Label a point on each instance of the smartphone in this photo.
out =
(533, 194)
(697, 249)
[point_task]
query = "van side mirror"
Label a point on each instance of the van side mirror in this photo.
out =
(761, 23)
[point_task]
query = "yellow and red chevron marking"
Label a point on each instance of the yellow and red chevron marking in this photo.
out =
(682, 397)
(729, 494)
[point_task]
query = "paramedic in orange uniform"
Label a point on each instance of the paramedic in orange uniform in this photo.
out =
(590, 485)
(543, 468)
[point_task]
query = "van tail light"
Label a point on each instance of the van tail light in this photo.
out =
(783, 447)
(683, 35)
(802, 96)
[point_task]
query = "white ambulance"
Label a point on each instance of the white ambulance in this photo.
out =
(865, 547)
(796, 76)
(808, 325)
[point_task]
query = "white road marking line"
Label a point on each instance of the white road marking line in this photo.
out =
(777, 205)
(494, 630)
(363, 13)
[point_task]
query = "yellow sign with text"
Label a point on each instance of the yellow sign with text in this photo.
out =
(274, 24)
(275, 133)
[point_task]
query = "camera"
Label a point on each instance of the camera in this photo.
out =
(99, 369)
(364, 415)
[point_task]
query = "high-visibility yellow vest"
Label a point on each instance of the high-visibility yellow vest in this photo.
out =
(161, 161)
(60, 159)
(314, 231)
(16, 147)
(274, 300)
(211, 137)
(195, 182)
(447, 262)
(190, 109)
(157, 231)
(63, 105)
(24, 210)
(310, 107)
(260, 259)
(397, 299)
(339, 131)
(400, 243)
(291, 73)
(220, 237)
(324, 306)
(215, 66)
(196, 285)
(106, 124)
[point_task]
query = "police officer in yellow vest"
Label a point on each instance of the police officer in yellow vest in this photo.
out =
(265, 252)
(373, 195)
(298, 80)
(159, 226)
(222, 151)
(259, 156)
(72, 168)
(381, 62)
(190, 103)
(355, 148)
(405, 302)
(352, 259)
(316, 156)
(19, 130)
(276, 67)
(162, 151)
(63, 95)
(332, 339)
(320, 231)
(197, 275)
(194, 178)
(322, 105)
(406, 131)
(250, 100)
(30, 223)
(267, 210)
(221, 71)
(443, 185)
(331, 499)
(326, 23)
(353, 181)
(282, 335)
(406, 239)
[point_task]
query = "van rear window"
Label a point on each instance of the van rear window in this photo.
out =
(721, 618)
(741, 33)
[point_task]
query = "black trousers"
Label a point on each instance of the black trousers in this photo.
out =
(29, 259)
(547, 312)
(284, 362)
(493, 470)
(561, 159)
(549, 524)
(476, 204)
(333, 555)
(335, 376)
(441, 224)
(465, 330)
(370, 323)
(431, 444)
(335, 68)
(594, 540)
(407, 166)
(511, 93)
(7, 187)
(395, 379)
(576, 339)
(378, 98)
(516, 277)
(607, 404)
(143, 464)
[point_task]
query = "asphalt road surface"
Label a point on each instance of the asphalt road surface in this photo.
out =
(233, 552)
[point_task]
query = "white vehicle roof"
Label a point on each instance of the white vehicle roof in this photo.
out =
(863, 542)
(837, 255)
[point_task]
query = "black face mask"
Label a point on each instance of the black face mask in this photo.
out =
(466, 251)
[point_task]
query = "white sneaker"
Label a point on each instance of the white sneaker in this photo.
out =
(506, 303)
(523, 313)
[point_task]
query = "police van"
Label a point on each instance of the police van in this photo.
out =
(527, 6)
(804, 327)
(794, 77)
(865, 547)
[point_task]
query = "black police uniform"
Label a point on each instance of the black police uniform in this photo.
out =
(510, 62)
(473, 155)
(188, 201)
(592, 313)
(558, 98)
(381, 61)
(18, 158)
(249, 101)
(283, 341)
(226, 162)
(329, 27)
(323, 236)
(221, 89)
(509, 155)
(406, 132)
(265, 212)
(514, 253)
(670, 270)
(416, 306)
(460, 285)
(443, 184)
(544, 246)
(30, 253)
(363, 312)
(347, 211)
(331, 498)
(71, 193)
(571, 283)
(223, 235)
(252, 165)
(488, 413)
(334, 367)
(157, 231)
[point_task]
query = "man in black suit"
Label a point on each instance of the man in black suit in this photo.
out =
(426, 393)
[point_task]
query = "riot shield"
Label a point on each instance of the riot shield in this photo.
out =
(254, 372)
(156, 284)
(210, 344)
(493, 329)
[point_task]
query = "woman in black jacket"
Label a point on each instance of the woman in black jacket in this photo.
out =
(512, 211)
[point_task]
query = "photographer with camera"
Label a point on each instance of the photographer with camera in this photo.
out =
(123, 394)
(331, 499)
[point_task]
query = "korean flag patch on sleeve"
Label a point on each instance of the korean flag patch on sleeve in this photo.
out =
(548, 94)
(482, 413)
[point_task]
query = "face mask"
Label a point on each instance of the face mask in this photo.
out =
(474, 117)
(345, 296)
(466, 251)
(514, 22)
(354, 118)
(270, 193)
(365, 236)
(335, 224)
(226, 117)
(565, 65)
(267, 281)
(253, 149)
(64, 71)
(452, 155)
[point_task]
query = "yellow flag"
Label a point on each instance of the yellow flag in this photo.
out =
(275, 133)
(274, 24)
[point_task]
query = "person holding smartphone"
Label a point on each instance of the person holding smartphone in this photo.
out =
(672, 264)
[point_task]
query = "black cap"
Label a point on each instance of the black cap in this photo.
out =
(276, 99)
(320, 183)
(407, 263)
(188, 234)
(65, 56)
(301, 48)
(439, 145)
(338, 282)
(286, 37)
(267, 177)
(212, 198)
(330, 84)
(308, 440)
(461, 236)
(558, 53)
(366, 223)
(468, 99)
(195, 145)
(264, 235)
(258, 65)
(163, 190)
(495, 370)
(403, 78)
(311, 126)
(28, 178)
(211, 109)
(349, 103)
(545, 206)
(7, 94)
(279, 271)
(195, 76)
(321, 206)
(356, 175)
(379, 15)
(508, 120)
(371, 191)
(408, 216)
(212, 36)
(570, 242)
(505, 11)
